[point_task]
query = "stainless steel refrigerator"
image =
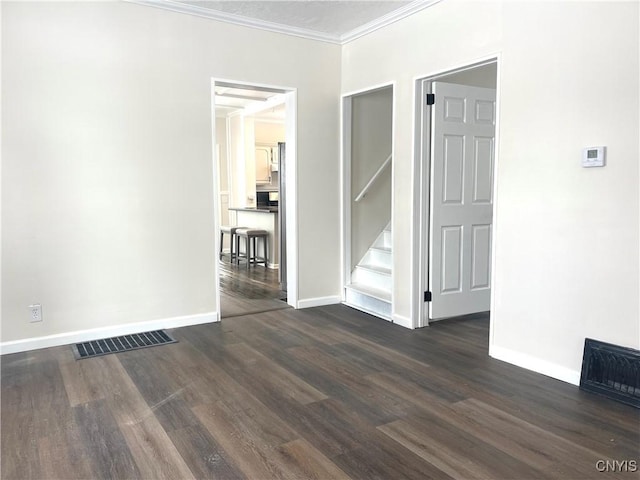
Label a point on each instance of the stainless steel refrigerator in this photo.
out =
(282, 215)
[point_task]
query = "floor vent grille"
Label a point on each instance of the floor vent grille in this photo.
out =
(612, 371)
(124, 343)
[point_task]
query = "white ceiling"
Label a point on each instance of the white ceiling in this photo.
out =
(335, 21)
(262, 104)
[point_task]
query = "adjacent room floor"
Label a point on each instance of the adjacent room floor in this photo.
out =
(320, 393)
(249, 290)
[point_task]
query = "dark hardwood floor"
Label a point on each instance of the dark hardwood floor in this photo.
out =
(320, 393)
(249, 290)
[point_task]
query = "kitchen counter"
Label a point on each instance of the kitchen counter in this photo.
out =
(265, 218)
(255, 209)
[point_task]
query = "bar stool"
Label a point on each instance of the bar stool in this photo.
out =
(229, 230)
(251, 237)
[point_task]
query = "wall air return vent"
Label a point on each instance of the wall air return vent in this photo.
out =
(612, 371)
(123, 343)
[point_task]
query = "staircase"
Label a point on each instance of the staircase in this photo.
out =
(371, 281)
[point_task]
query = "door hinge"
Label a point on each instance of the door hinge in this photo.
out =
(431, 98)
(427, 296)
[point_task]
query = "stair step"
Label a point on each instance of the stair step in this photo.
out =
(367, 299)
(378, 293)
(380, 256)
(375, 268)
(373, 275)
(371, 280)
(384, 240)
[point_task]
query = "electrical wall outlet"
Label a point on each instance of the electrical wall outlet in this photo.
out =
(35, 312)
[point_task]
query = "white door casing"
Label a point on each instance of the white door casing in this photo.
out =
(461, 203)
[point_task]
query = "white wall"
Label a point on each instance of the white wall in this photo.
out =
(223, 175)
(248, 173)
(221, 141)
(484, 76)
(269, 132)
(107, 187)
(566, 238)
(237, 168)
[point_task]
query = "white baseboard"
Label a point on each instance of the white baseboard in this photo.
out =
(319, 301)
(535, 364)
(105, 332)
(403, 321)
(366, 310)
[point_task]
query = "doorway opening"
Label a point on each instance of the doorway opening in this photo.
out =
(456, 130)
(367, 121)
(254, 138)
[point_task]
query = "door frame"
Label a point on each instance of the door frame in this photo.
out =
(346, 102)
(422, 169)
(291, 101)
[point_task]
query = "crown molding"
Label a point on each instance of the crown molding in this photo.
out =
(383, 21)
(237, 19)
(387, 19)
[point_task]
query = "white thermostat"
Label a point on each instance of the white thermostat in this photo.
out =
(593, 157)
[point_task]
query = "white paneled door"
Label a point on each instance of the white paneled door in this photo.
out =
(461, 203)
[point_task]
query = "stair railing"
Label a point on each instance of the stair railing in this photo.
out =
(375, 176)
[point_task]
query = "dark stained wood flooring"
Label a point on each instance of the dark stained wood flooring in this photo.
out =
(249, 290)
(305, 394)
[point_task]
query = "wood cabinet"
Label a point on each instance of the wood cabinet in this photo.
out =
(266, 158)
(263, 164)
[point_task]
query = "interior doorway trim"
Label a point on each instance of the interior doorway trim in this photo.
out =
(346, 103)
(422, 169)
(290, 96)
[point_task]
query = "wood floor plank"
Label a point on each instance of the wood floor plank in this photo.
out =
(79, 382)
(583, 425)
(109, 454)
(329, 425)
(154, 453)
(380, 352)
(530, 388)
(248, 439)
(235, 307)
(527, 442)
(414, 392)
(51, 404)
(205, 457)
(298, 320)
(64, 458)
(279, 378)
(150, 447)
(383, 406)
(246, 284)
(256, 423)
(18, 423)
(162, 381)
(307, 462)
(383, 458)
(456, 453)
(35, 414)
(167, 381)
(327, 392)
(266, 324)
